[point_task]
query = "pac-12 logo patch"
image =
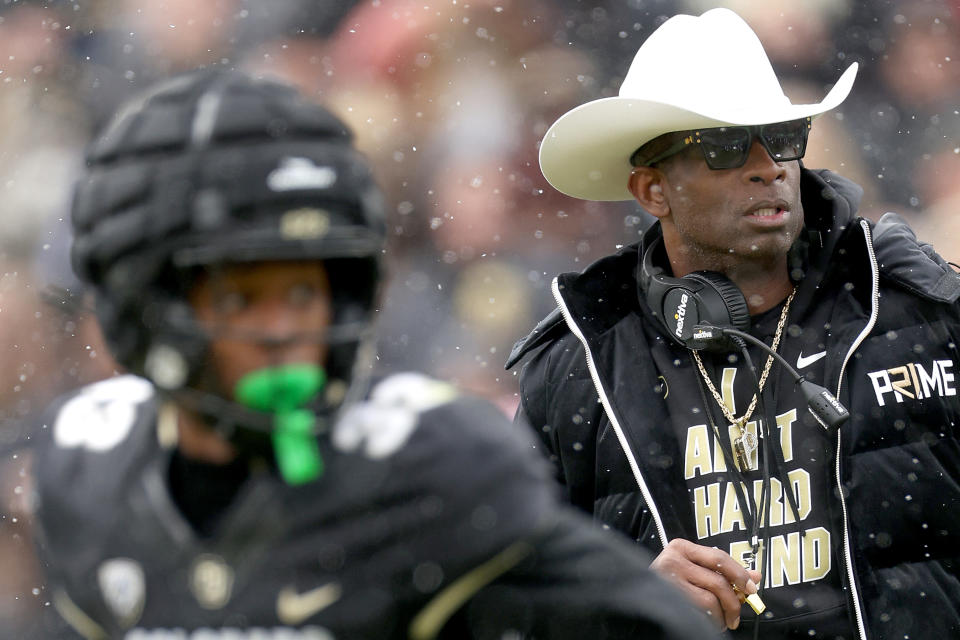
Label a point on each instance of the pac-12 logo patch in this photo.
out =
(124, 589)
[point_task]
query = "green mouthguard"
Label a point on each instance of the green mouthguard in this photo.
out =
(282, 391)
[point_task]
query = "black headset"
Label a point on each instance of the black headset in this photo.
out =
(701, 297)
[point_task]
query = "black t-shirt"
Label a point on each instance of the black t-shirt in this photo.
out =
(802, 586)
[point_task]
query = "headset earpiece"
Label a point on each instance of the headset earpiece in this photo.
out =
(701, 297)
(737, 314)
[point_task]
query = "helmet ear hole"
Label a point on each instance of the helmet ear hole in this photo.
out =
(166, 367)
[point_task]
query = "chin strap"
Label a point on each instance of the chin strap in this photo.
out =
(283, 391)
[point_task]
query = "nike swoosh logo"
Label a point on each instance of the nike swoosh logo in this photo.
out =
(806, 361)
(294, 607)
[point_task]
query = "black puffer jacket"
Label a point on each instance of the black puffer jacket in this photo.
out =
(591, 392)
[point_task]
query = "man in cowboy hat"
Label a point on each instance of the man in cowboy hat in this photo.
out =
(840, 509)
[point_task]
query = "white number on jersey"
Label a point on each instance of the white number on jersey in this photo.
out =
(383, 424)
(102, 414)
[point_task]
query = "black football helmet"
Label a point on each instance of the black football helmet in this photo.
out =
(215, 167)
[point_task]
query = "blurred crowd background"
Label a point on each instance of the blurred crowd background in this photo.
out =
(449, 99)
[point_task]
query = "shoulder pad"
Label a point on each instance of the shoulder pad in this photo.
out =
(547, 329)
(912, 263)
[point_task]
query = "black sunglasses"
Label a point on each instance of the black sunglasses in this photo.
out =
(729, 147)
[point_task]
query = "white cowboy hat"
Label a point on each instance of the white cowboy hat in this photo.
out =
(692, 72)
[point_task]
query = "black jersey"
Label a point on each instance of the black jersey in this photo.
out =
(433, 518)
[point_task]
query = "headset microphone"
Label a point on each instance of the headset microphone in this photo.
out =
(822, 404)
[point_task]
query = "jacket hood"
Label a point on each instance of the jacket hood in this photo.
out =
(911, 263)
(830, 201)
(901, 257)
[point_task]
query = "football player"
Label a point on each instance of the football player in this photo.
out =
(249, 478)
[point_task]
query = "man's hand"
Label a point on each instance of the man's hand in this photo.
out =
(707, 576)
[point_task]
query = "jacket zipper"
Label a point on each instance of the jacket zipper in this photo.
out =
(874, 311)
(608, 409)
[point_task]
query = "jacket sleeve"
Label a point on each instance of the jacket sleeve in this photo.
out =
(579, 581)
(559, 402)
(531, 416)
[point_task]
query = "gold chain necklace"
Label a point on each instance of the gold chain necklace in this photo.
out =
(745, 444)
